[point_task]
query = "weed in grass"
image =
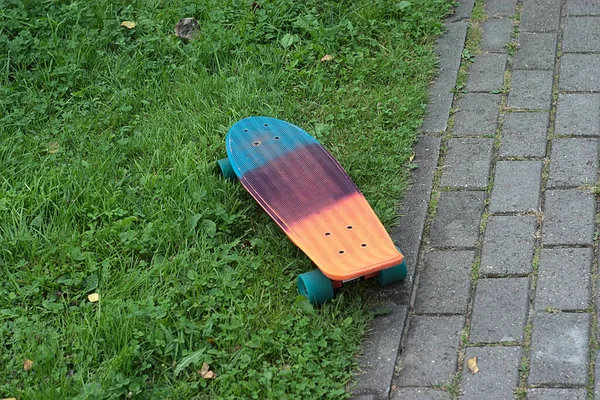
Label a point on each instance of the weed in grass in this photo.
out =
(108, 138)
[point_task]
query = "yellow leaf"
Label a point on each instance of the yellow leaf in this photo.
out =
(128, 24)
(27, 364)
(9, 398)
(472, 364)
(53, 147)
(206, 373)
(94, 297)
(327, 57)
(412, 157)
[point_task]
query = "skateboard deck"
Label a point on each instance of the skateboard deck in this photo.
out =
(310, 196)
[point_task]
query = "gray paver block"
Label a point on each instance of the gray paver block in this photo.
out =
(531, 89)
(559, 349)
(508, 245)
(467, 163)
(524, 135)
(486, 73)
(449, 49)
(431, 353)
(536, 51)
(498, 374)
(583, 7)
(500, 310)
(409, 231)
(445, 283)
(569, 217)
(379, 352)
(597, 380)
(420, 394)
(578, 114)
(573, 162)
(516, 186)
(477, 114)
(462, 11)
(582, 34)
(540, 15)
(564, 279)
(456, 222)
(501, 7)
(580, 72)
(496, 35)
(556, 394)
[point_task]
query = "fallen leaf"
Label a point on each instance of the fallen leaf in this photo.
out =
(27, 364)
(472, 364)
(128, 24)
(412, 157)
(9, 398)
(187, 28)
(94, 297)
(206, 373)
(327, 57)
(53, 147)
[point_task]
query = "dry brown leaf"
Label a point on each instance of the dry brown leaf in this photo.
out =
(327, 57)
(206, 373)
(27, 364)
(187, 28)
(472, 364)
(94, 297)
(255, 6)
(412, 157)
(53, 147)
(128, 24)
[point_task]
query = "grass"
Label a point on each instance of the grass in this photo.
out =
(108, 143)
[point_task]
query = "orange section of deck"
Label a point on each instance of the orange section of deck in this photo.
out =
(346, 240)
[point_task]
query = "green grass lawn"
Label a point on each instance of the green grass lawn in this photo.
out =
(108, 143)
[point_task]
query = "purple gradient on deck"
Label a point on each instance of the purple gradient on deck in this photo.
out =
(299, 184)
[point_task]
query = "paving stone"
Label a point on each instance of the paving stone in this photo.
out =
(379, 352)
(573, 162)
(583, 7)
(498, 374)
(524, 135)
(556, 394)
(409, 231)
(456, 222)
(580, 72)
(578, 115)
(531, 89)
(569, 217)
(461, 12)
(540, 15)
(559, 349)
(500, 310)
(449, 49)
(420, 394)
(496, 35)
(564, 279)
(467, 163)
(486, 74)
(536, 51)
(445, 283)
(508, 245)
(582, 34)
(477, 114)
(516, 186)
(597, 380)
(501, 7)
(431, 352)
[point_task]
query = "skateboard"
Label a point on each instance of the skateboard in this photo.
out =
(305, 190)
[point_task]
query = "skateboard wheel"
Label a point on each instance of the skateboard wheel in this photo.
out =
(393, 274)
(226, 169)
(315, 286)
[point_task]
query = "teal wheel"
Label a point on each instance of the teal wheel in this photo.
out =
(226, 169)
(393, 274)
(316, 286)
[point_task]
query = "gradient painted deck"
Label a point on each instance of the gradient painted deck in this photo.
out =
(310, 196)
